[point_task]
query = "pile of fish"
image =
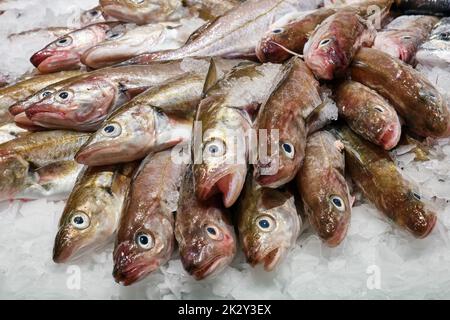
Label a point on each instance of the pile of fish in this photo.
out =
(199, 124)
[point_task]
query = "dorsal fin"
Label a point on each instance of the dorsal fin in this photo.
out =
(211, 77)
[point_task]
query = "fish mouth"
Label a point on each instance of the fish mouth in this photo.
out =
(39, 57)
(99, 154)
(391, 136)
(338, 236)
(43, 112)
(208, 269)
(270, 260)
(431, 222)
(270, 51)
(276, 180)
(47, 62)
(23, 122)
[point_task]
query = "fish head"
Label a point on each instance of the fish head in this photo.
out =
(138, 11)
(79, 106)
(323, 55)
(14, 171)
(273, 46)
(271, 230)
(124, 137)
(21, 106)
(141, 251)
(86, 224)
(400, 44)
(91, 16)
(209, 245)
(332, 209)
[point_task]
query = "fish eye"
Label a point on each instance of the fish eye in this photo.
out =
(337, 202)
(215, 148)
(379, 109)
(94, 13)
(277, 30)
(213, 232)
(63, 96)
(288, 150)
(324, 42)
(145, 241)
(266, 223)
(407, 37)
(416, 196)
(444, 36)
(112, 130)
(80, 220)
(137, 1)
(64, 42)
(114, 35)
(45, 94)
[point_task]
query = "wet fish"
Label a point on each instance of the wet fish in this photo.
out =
(225, 115)
(124, 44)
(145, 238)
(268, 223)
(233, 35)
(27, 160)
(91, 215)
(293, 100)
(332, 46)
(403, 36)
(65, 52)
(415, 98)
(437, 7)
(368, 114)
(380, 181)
(436, 51)
(84, 104)
(323, 188)
(204, 233)
(157, 119)
(21, 90)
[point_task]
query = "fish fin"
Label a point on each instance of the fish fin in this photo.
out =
(211, 77)
(197, 33)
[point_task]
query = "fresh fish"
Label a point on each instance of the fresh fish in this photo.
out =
(332, 46)
(144, 11)
(204, 233)
(145, 238)
(403, 36)
(21, 90)
(368, 114)
(27, 161)
(65, 52)
(415, 98)
(94, 15)
(157, 119)
(211, 9)
(380, 181)
(323, 188)
(436, 7)
(122, 45)
(293, 100)
(436, 51)
(268, 223)
(91, 216)
(233, 35)
(84, 104)
(225, 115)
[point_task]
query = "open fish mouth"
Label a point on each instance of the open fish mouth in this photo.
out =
(39, 57)
(91, 155)
(209, 268)
(133, 272)
(391, 136)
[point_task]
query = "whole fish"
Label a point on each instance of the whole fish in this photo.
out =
(27, 160)
(91, 216)
(323, 188)
(83, 105)
(436, 7)
(332, 46)
(129, 42)
(211, 9)
(157, 119)
(65, 52)
(436, 51)
(403, 36)
(145, 238)
(376, 175)
(294, 98)
(144, 11)
(225, 115)
(415, 98)
(204, 233)
(21, 90)
(233, 35)
(268, 223)
(368, 114)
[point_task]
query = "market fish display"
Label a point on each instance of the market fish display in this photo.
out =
(21, 90)
(293, 100)
(269, 224)
(424, 109)
(226, 114)
(124, 44)
(402, 37)
(376, 175)
(233, 35)
(65, 52)
(205, 236)
(157, 119)
(368, 114)
(84, 104)
(436, 51)
(331, 48)
(145, 238)
(92, 212)
(323, 188)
